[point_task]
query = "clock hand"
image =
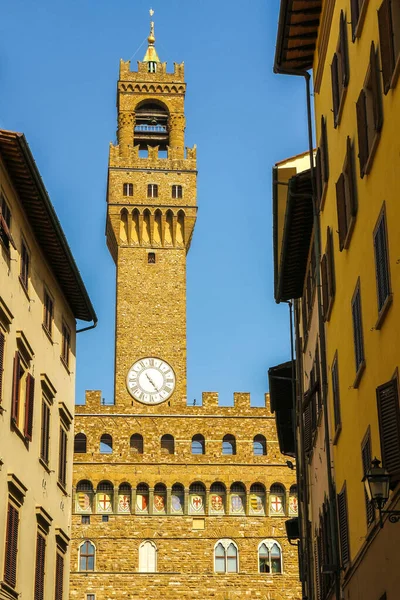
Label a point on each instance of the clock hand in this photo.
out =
(152, 382)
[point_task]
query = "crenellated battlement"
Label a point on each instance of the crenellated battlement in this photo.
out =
(171, 162)
(142, 73)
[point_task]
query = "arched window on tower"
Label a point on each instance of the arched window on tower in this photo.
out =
(147, 557)
(152, 66)
(269, 557)
(106, 444)
(136, 443)
(277, 500)
(229, 445)
(152, 190)
(87, 552)
(198, 444)
(151, 125)
(226, 557)
(84, 497)
(80, 443)
(259, 445)
(127, 189)
(167, 444)
(177, 191)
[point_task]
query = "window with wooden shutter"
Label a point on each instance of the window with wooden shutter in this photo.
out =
(343, 527)
(317, 569)
(11, 549)
(62, 458)
(389, 428)
(25, 264)
(65, 344)
(336, 396)
(322, 164)
(318, 176)
(2, 350)
(48, 313)
(381, 265)
(389, 40)
(358, 9)
(328, 276)
(29, 406)
(16, 388)
(45, 432)
(324, 285)
(340, 70)
(369, 114)
(335, 88)
(366, 457)
(307, 426)
(59, 588)
(346, 199)
(358, 333)
(39, 567)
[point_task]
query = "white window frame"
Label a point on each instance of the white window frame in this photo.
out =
(79, 556)
(154, 546)
(269, 542)
(226, 542)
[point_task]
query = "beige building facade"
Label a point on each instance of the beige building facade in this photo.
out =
(41, 295)
(170, 500)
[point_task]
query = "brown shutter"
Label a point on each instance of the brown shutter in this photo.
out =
(381, 263)
(330, 263)
(11, 549)
(318, 176)
(39, 567)
(389, 427)
(366, 457)
(59, 577)
(324, 151)
(29, 406)
(343, 527)
(62, 466)
(351, 179)
(355, 14)
(362, 129)
(307, 420)
(344, 58)
(375, 89)
(15, 388)
(324, 282)
(335, 88)
(2, 344)
(341, 210)
(386, 43)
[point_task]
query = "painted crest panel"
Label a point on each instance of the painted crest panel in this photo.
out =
(196, 504)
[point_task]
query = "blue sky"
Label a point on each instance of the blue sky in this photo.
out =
(58, 72)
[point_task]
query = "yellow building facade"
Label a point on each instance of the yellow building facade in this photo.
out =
(353, 50)
(41, 295)
(170, 500)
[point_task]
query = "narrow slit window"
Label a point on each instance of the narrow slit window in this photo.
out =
(151, 258)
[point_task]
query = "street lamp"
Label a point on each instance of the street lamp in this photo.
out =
(377, 482)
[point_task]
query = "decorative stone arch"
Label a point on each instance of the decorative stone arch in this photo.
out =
(80, 549)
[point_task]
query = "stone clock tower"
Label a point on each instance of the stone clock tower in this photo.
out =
(170, 500)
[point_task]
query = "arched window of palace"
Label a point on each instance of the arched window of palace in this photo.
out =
(136, 443)
(277, 500)
(142, 498)
(160, 499)
(124, 498)
(80, 443)
(167, 444)
(229, 445)
(106, 444)
(226, 557)
(104, 497)
(84, 497)
(257, 499)
(147, 557)
(269, 557)
(217, 499)
(151, 124)
(198, 444)
(197, 495)
(259, 445)
(237, 499)
(177, 499)
(293, 505)
(87, 553)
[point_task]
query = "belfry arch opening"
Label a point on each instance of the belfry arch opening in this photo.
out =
(151, 125)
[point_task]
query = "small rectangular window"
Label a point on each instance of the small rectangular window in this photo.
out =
(387, 396)
(358, 331)
(62, 457)
(85, 519)
(104, 518)
(39, 567)
(322, 164)
(328, 276)
(177, 191)
(344, 537)
(65, 344)
(151, 258)
(90, 597)
(59, 584)
(382, 262)
(152, 190)
(340, 71)
(389, 40)
(336, 395)
(48, 312)
(11, 549)
(45, 432)
(346, 198)
(18, 374)
(128, 189)
(25, 260)
(5, 224)
(357, 14)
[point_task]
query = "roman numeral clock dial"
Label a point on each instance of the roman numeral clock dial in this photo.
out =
(150, 380)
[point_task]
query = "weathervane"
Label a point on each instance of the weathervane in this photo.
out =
(151, 38)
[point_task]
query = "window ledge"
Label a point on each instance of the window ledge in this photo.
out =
(19, 433)
(65, 364)
(359, 375)
(360, 22)
(328, 312)
(7, 592)
(44, 464)
(383, 312)
(337, 434)
(47, 332)
(6, 248)
(349, 233)
(62, 488)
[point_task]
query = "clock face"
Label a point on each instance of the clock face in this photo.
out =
(150, 380)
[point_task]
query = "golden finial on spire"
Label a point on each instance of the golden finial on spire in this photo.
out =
(151, 53)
